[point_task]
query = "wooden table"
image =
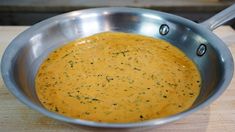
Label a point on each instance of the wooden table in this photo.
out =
(218, 117)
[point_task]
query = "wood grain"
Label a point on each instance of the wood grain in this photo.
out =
(219, 116)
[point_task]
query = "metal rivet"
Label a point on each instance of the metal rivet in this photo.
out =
(164, 29)
(201, 50)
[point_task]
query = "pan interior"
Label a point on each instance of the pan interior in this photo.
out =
(45, 38)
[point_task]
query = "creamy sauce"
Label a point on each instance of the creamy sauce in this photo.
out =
(117, 77)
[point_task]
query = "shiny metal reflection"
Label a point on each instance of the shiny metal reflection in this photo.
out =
(164, 29)
(26, 52)
(201, 50)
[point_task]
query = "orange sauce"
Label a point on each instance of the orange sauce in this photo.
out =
(117, 77)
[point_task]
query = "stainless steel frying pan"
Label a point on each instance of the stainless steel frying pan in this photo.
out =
(26, 52)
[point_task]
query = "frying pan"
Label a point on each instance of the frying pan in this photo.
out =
(26, 52)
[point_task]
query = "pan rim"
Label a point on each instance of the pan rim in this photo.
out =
(12, 87)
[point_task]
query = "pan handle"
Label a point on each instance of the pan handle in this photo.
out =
(220, 18)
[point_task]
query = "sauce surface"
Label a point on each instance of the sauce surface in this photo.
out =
(117, 77)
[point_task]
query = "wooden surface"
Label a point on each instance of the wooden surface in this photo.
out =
(218, 117)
